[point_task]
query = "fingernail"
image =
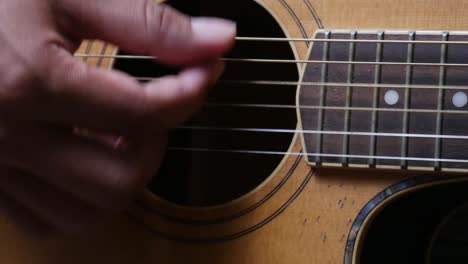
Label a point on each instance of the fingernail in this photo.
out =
(213, 29)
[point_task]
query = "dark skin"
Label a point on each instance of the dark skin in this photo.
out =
(53, 176)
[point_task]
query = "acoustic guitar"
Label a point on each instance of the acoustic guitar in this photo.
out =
(338, 134)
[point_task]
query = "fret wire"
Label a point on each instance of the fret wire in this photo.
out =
(312, 107)
(349, 90)
(375, 98)
(103, 50)
(89, 46)
(408, 81)
(332, 84)
(283, 153)
(324, 132)
(440, 101)
(383, 63)
(284, 61)
(347, 40)
(323, 79)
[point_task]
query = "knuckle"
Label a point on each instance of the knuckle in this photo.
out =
(28, 78)
(163, 23)
(16, 77)
(16, 84)
(162, 15)
(63, 74)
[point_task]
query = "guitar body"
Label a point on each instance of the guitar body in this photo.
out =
(294, 212)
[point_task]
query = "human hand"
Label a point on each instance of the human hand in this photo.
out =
(52, 179)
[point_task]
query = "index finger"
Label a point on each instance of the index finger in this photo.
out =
(144, 27)
(111, 101)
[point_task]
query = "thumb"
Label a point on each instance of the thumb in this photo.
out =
(144, 27)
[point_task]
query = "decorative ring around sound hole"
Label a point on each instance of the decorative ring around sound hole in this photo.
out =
(191, 177)
(174, 189)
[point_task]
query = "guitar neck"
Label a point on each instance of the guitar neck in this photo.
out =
(386, 99)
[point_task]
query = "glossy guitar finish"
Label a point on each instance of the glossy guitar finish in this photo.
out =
(299, 214)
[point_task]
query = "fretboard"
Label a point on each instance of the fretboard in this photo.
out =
(388, 99)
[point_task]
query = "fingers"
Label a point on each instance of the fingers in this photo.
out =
(180, 96)
(59, 89)
(45, 203)
(103, 177)
(142, 26)
(52, 176)
(111, 101)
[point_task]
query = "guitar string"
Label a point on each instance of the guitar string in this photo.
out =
(326, 155)
(318, 132)
(390, 41)
(339, 108)
(323, 133)
(362, 85)
(342, 108)
(330, 84)
(372, 41)
(254, 60)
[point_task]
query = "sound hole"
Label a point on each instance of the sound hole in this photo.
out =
(408, 229)
(450, 243)
(210, 177)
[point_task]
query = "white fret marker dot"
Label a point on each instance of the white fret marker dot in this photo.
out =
(391, 97)
(460, 99)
